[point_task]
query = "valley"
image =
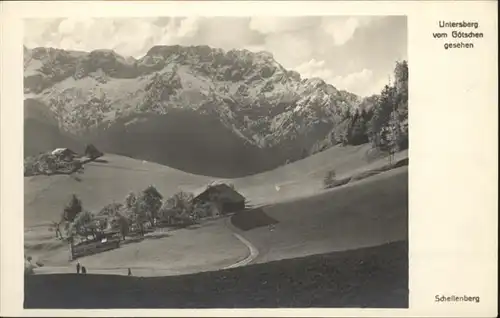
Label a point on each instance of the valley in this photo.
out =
(322, 173)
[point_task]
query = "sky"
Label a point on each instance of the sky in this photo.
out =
(355, 53)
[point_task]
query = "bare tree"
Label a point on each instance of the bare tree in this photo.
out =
(56, 226)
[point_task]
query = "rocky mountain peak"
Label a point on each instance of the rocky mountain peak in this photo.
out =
(249, 93)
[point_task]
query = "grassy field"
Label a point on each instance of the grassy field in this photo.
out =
(204, 247)
(375, 277)
(309, 220)
(369, 212)
(100, 184)
(304, 178)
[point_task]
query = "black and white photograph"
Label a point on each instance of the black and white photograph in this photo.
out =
(216, 162)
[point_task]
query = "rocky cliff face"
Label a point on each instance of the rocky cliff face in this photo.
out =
(198, 109)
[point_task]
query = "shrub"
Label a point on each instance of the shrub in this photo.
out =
(339, 182)
(48, 164)
(28, 267)
(330, 178)
(130, 200)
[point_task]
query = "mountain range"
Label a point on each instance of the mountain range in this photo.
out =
(199, 109)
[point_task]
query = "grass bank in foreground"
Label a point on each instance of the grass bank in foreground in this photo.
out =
(375, 277)
(366, 213)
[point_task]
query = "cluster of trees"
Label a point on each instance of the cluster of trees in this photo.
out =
(135, 214)
(179, 208)
(385, 124)
(142, 207)
(78, 222)
(380, 119)
(390, 118)
(48, 164)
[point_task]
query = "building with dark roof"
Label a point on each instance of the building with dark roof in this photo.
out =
(220, 199)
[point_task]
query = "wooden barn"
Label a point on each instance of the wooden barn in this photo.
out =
(219, 199)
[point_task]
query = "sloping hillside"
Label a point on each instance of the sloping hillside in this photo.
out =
(115, 176)
(187, 141)
(304, 177)
(369, 212)
(109, 179)
(374, 277)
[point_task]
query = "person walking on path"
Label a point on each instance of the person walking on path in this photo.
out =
(129, 272)
(78, 267)
(84, 270)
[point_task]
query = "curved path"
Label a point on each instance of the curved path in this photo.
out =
(253, 253)
(149, 271)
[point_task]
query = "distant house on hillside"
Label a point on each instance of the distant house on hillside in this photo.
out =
(64, 153)
(217, 200)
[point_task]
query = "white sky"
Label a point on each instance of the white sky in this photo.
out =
(357, 54)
